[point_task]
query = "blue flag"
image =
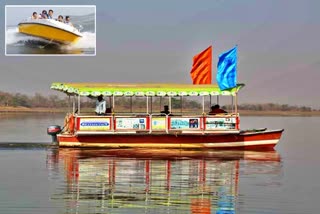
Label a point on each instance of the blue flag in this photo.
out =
(227, 69)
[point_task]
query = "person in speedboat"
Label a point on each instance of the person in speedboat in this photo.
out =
(60, 18)
(50, 14)
(34, 15)
(68, 21)
(44, 14)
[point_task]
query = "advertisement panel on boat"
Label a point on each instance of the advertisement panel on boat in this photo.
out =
(185, 123)
(158, 123)
(131, 123)
(221, 123)
(94, 124)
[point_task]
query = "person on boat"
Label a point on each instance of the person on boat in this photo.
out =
(166, 110)
(34, 15)
(68, 22)
(100, 106)
(60, 18)
(50, 14)
(44, 14)
(216, 110)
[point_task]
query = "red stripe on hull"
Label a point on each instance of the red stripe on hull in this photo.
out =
(198, 140)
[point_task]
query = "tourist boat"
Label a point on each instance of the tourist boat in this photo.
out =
(50, 29)
(150, 129)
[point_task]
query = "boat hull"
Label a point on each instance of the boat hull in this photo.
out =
(261, 140)
(47, 32)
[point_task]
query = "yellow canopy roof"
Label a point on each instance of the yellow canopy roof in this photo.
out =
(142, 89)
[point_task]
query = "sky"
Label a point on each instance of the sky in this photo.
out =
(154, 41)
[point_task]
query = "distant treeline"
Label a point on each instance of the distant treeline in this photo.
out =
(35, 101)
(272, 107)
(54, 101)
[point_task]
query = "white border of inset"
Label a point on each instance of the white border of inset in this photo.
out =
(5, 31)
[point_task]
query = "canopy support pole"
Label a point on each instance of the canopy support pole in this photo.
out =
(203, 105)
(131, 104)
(151, 104)
(236, 103)
(210, 100)
(218, 99)
(112, 103)
(147, 105)
(232, 103)
(73, 104)
(69, 103)
(78, 104)
(170, 104)
(181, 99)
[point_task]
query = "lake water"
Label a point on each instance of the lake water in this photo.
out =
(38, 178)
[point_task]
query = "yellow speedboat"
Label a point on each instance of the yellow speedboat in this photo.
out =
(51, 30)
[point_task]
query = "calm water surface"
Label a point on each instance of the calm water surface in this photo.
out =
(38, 178)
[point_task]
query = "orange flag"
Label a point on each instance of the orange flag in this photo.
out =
(201, 69)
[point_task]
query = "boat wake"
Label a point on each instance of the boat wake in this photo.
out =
(25, 145)
(16, 39)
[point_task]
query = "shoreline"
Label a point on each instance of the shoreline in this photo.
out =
(25, 110)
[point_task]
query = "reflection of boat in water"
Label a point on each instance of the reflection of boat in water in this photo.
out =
(51, 30)
(173, 154)
(150, 182)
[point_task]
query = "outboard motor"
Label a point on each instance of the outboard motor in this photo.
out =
(53, 131)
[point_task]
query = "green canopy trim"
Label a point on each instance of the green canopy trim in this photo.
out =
(141, 89)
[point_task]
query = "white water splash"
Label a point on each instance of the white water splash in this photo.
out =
(13, 37)
(87, 41)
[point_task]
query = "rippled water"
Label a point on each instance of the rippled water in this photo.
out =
(37, 177)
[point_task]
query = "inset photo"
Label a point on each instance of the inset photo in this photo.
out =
(46, 30)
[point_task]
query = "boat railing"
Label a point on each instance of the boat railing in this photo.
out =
(155, 122)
